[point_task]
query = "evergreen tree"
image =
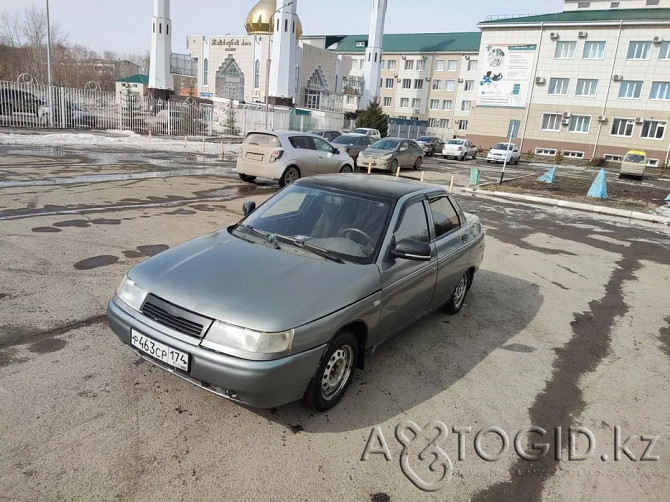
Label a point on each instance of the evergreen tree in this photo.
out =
(374, 118)
(231, 120)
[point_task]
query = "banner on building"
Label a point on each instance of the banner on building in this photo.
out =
(506, 79)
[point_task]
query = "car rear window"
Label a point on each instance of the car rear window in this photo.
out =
(262, 139)
(346, 140)
(455, 142)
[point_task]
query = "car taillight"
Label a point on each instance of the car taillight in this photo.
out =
(460, 148)
(276, 155)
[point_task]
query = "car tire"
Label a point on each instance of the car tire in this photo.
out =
(417, 163)
(290, 175)
(488, 161)
(516, 162)
(346, 169)
(462, 157)
(457, 298)
(394, 166)
(334, 373)
(247, 178)
(474, 156)
(432, 153)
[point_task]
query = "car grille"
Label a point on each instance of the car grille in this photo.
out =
(174, 317)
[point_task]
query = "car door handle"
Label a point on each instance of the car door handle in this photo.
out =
(464, 238)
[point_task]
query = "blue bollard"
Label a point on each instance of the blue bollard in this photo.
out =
(599, 187)
(549, 176)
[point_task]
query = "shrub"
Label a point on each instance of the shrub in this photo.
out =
(598, 161)
(559, 157)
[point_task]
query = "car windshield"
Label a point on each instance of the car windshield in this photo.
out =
(347, 226)
(360, 131)
(502, 146)
(345, 140)
(385, 144)
(455, 142)
(635, 158)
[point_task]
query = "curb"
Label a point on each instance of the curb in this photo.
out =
(610, 211)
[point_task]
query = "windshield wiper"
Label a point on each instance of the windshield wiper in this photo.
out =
(258, 233)
(324, 253)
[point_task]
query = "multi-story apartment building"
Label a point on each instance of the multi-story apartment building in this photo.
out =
(425, 76)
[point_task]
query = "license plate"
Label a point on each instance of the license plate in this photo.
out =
(254, 156)
(159, 350)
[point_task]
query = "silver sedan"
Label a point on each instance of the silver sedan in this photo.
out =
(286, 304)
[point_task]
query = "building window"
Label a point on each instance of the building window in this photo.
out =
(387, 101)
(551, 121)
(389, 83)
(452, 65)
(472, 65)
(630, 89)
(462, 125)
(446, 104)
(154, 27)
(434, 104)
(573, 155)
(381, 83)
(449, 85)
(638, 50)
(469, 85)
(383, 64)
(651, 3)
(418, 83)
(205, 71)
(421, 64)
(653, 129)
(391, 64)
(594, 50)
(614, 5)
(465, 106)
(586, 87)
(439, 65)
(406, 83)
(167, 29)
(558, 86)
(622, 127)
(257, 74)
(437, 85)
(565, 50)
(660, 90)
(664, 53)
(432, 122)
(404, 102)
(547, 152)
(416, 103)
(583, 5)
(613, 158)
(579, 123)
(361, 63)
(444, 123)
(350, 100)
(409, 64)
(401, 116)
(652, 162)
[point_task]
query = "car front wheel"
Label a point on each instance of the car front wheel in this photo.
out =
(334, 374)
(346, 169)
(394, 166)
(457, 299)
(290, 175)
(418, 162)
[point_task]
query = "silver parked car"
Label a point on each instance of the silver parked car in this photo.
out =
(352, 144)
(289, 155)
(287, 303)
(391, 154)
(430, 144)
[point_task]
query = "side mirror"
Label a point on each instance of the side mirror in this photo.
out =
(336, 151)
(409, 249)
(248, 207)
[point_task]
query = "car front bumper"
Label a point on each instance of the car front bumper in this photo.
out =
(376, 163)
(262, 384)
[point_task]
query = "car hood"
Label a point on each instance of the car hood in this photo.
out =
(253, 285)
(378, 151)
(499, 152)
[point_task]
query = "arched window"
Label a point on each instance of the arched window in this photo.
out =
(167, 29)
(205, 71)
(160, 27)
(154, 24)
(257, 74)
(285, 24)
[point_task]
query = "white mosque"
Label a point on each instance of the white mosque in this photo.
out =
(270, 64)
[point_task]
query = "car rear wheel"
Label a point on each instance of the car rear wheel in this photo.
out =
(247, 178)
(462, 157)
(432, 152)
(474, 156)
(417, 163)
(394, 166)
(346, 169)
(516, 162)
(334, 374)
(457, 299)
(290, 175)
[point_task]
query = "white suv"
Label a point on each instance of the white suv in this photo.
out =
(289, 155)
(372, 133)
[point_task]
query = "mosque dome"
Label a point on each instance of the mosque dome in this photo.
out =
(260, 19)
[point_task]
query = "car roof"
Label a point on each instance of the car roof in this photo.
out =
(636, 152)
(383, 187)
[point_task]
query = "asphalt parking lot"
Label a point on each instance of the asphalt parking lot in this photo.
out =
(567, 324)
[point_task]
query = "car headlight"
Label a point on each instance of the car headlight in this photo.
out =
(232, 340)
(388, 156)
(131, 294)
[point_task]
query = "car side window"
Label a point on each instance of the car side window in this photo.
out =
(414, 224)
(302, 142)
(445, 217)
(403, 146)
(322, 146)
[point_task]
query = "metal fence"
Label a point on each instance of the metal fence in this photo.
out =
(406, 130)
(41, 106)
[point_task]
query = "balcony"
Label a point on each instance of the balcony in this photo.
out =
(353, 85)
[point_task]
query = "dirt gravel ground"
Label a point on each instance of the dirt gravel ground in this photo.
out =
(567, 325)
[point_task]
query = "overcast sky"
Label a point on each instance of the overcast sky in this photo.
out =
(124, 25)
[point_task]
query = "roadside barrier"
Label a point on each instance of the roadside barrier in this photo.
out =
(598, 189)
(549, 176)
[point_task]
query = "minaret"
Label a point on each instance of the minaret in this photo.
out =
(161, 47)
(284, 52)
(373, 54)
